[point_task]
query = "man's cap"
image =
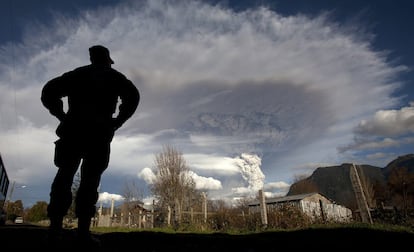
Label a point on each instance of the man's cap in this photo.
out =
(100, 54)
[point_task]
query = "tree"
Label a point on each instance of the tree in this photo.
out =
(173, 186)
(400, 182)
(14, 209)
(131, 192)
(37, 212)
(133, 204)
(368, 187)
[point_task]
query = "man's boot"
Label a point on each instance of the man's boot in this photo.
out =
(84, 235)
(55, 231)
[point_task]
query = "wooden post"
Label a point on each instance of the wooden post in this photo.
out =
(152, 215)
(169, 216)
(177, 213)
(205, 207)
(322, 211)
(112, 213)
(263, 208)
(139, 218)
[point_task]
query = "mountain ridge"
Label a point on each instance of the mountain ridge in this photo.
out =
(334, 181)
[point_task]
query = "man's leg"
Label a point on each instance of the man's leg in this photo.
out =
(67, 160)
(60, 197)
(94, 164)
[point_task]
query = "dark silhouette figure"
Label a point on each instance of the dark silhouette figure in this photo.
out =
(85, 133)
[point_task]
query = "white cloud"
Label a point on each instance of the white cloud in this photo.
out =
(243, 191)
(212, 164)
(389, 122)
(106, 197)
(385, 131)
(203, 183)
(276, 185)
(27, 152)
(147, 175)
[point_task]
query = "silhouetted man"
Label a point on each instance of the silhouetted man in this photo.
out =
(85, 133)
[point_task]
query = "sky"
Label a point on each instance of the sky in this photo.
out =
(254, 94)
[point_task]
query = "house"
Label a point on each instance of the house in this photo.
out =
(130, 214)
(314, 205)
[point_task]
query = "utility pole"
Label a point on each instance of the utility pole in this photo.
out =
(360, 195)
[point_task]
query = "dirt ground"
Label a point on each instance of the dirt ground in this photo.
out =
(35, 237)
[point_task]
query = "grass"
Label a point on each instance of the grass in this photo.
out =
(355, 225)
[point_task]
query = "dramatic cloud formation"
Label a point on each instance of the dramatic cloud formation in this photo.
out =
(215, 83)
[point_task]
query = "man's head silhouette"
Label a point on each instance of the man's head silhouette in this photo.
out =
(100, 55)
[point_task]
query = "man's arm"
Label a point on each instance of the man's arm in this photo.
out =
(51, 98)
(130, 98)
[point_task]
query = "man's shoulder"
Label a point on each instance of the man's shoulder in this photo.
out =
(109, 72)
(116, 72)
(78, 70)
(119, 75)
(83, 68)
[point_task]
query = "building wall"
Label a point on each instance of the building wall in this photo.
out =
(332, 212)
(338, 213)
(314, 206)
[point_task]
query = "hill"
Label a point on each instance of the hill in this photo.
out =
(334, 181)
(406, 161)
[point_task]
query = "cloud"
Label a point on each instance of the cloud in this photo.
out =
(106, 197)
(389, 122)
(203, 183)
(385, 130)
(363, 144)
(147, 175)
(215, 83)
(27, 152)
(276, 185)
(213, 164)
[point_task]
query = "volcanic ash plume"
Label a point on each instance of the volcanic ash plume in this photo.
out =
(249, 165)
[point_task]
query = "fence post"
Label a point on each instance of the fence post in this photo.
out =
(152, 215)
(263, 208)
(205, 207)
(169, 216)
(111, 216)
(140, 219)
